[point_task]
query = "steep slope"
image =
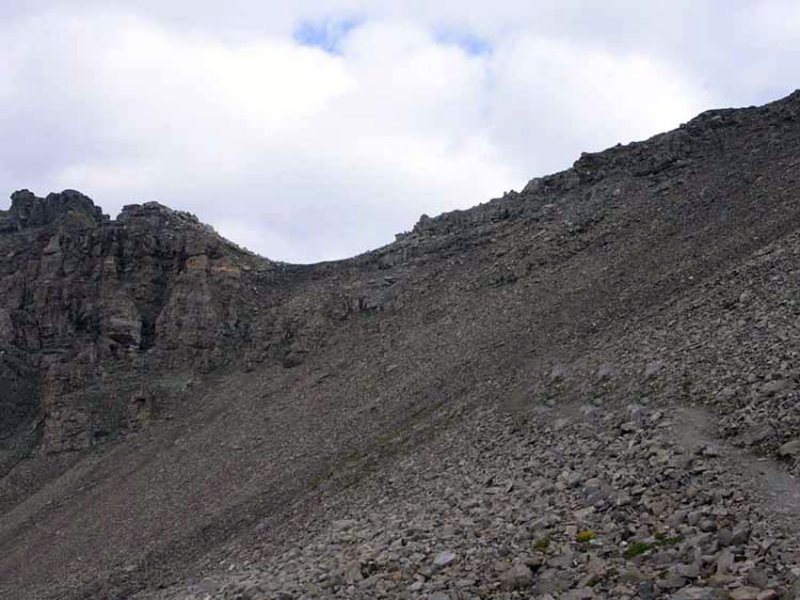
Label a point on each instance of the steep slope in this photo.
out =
(181, 414)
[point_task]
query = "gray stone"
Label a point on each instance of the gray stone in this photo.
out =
(776, 386)
(584, 593)
(725, 537)
(758, 578)
(757, 434)
(653, 368)
(741, 534)
(444, 559)
(725, 562)
(694, 593)
(745, 593)
(647, 590)
(517, 577)
(790, 449)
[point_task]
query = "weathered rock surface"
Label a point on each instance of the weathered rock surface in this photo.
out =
(571, 509)
(588, 389)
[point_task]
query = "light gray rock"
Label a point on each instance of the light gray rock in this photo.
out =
(444, 559)
(745, 593)
(517, 577)
(694, 593)
(790, 449)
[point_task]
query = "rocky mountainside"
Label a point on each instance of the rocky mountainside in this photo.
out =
(587, 389)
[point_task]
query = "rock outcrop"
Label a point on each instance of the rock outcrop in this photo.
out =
(86, 302)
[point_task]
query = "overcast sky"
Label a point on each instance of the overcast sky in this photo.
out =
(313, 130)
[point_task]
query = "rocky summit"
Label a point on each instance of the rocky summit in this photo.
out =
(587, 389)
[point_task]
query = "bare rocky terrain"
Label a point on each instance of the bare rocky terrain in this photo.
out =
(586, 389)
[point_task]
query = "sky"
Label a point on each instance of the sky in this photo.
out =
(310, 130)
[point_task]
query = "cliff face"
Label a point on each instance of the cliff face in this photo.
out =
(208, 403)
(86, 302)
(97, 315)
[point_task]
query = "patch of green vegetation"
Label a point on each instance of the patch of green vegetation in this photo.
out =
(637, 549)
(585, 536)
(545, 398)
(665, 541)
(499, 279)
(542, 544)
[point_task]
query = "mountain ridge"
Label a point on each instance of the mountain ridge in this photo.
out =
(210, 405)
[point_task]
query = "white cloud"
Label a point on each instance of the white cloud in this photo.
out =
(301, 154)
(552, 96)
(328, 155)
